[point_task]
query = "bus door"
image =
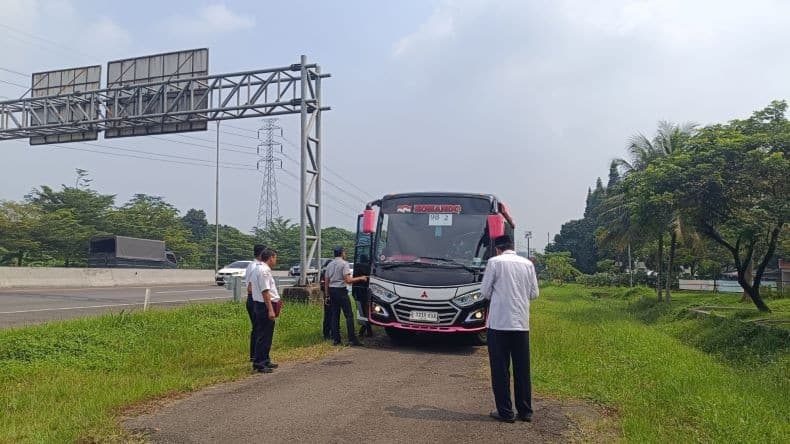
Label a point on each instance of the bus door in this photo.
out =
(363, 252)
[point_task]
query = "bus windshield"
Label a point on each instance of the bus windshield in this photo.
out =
(432, 238)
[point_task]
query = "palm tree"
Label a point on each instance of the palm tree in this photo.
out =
(643, 151)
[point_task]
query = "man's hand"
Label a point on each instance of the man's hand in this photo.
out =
(272, 316)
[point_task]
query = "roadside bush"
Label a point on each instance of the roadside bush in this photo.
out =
(640, 278)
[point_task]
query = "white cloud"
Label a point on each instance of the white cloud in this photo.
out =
(441, 25)
(212, 18)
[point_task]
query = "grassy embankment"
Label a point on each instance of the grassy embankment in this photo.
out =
(669, 376)
(67, 380)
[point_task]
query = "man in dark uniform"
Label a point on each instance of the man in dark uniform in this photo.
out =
(338, 276)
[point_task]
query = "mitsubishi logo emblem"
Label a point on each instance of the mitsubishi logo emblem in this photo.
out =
(424, 295)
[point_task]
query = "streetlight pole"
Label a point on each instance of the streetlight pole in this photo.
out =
(528, 236)
(216, 209)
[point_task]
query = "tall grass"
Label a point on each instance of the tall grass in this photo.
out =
(65, 381)
(664, 386)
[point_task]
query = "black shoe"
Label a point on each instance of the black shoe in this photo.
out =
(337, 343)
(355, 344)
(271, 364)
(263, 370)
(525, 418)
(495, 414)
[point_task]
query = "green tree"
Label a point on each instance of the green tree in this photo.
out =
(17, 223)
(89, 207)
(151, 217)
(332, 237)
(61, 235)
(283, 236)
(736, 189)
(195, 220)
(631, 214)
(558, 266)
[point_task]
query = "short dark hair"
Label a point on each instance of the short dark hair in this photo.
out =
(267, 254)
(339, 250)
(504, 242)
(257, 249)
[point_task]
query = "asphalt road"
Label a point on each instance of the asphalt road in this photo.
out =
(33, 306)
(376, 394)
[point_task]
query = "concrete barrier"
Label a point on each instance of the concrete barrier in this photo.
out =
(52, 277)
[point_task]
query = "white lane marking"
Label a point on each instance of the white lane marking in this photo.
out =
(110, 305)
(183, 291)
(82, 289)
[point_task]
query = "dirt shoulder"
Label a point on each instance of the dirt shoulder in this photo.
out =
(380, 393)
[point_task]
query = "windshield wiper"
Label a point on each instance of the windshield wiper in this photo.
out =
(453, 262)
(393, 264)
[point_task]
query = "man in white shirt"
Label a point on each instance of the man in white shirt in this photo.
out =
(266, 298)
(257, 249)
(509, 283)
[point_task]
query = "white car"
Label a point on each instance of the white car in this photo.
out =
(237, 268)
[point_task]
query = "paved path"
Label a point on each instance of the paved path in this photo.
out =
(374, 394)
(32, 306)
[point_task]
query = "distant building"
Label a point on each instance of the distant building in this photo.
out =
(784, 275)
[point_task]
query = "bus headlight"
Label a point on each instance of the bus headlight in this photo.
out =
(378, 310)
(382, 293)
(476, 316)
(468, 299)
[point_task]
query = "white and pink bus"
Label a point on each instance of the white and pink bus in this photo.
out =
(426, 254)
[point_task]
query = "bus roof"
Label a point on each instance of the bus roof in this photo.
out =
(496, 205)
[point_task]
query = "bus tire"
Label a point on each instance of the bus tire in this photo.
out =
(396, 335)
(479, 338)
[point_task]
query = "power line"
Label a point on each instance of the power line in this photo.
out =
(164, 155)
(180, 162)
(45, 40)
(15, 72)
(337, 174)
(141, 157)
(329, 182)
(15, 84)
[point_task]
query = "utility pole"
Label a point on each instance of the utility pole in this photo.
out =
(268, 206)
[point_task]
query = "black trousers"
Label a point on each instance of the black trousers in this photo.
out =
(361, 295)
(327, 326)
(339, 301)
(264, 333)
(251, 314)
(504, 347)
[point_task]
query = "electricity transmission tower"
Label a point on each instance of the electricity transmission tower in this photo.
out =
(269, 206)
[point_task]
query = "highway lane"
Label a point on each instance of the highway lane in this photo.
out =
(20, 307)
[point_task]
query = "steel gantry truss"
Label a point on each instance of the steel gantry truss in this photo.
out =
(151, 107)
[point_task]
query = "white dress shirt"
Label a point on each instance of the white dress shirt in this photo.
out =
(509, 282)
(249, 270)
(262, 279)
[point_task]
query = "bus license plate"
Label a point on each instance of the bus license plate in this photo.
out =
(424, 316)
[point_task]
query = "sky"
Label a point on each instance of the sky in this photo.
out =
(529, 100)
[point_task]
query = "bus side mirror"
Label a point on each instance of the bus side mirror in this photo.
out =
(496, 226)
(368, 221)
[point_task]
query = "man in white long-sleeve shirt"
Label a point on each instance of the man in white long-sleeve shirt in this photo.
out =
(509, 283)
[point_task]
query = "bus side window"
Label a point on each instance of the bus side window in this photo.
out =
(381, 240)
